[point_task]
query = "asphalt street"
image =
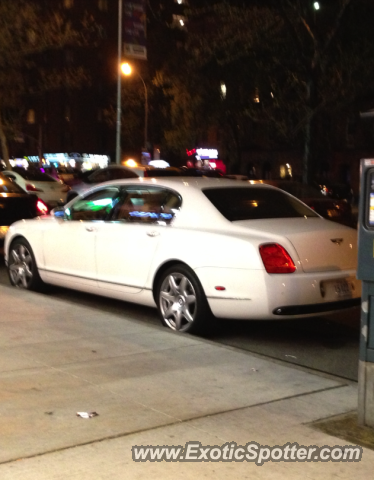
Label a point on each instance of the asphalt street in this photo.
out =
(327, 344)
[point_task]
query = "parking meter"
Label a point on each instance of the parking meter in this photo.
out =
(365, 272)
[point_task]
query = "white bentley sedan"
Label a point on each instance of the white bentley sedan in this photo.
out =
(195, 248)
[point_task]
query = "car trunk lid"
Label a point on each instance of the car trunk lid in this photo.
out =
(321, 245)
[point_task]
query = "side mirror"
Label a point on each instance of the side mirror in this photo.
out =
(58, 212)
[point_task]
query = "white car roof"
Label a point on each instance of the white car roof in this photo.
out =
(186, 182)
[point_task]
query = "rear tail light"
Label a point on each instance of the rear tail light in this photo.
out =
(276, 259)
(41, 207)
(146, 173)
(31, 188)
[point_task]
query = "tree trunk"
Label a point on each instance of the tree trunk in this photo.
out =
(4, 145)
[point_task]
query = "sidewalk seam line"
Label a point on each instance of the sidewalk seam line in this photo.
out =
(177, 422)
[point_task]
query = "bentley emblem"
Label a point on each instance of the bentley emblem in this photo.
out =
(337, 241)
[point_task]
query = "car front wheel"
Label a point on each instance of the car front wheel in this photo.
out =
(22, 269)
(181, 301)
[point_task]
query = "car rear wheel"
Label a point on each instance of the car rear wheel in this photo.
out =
(181, 301)
(22, 269)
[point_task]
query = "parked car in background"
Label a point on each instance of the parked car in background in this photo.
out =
(336, 210)
(201, 172)
(16, 204)
(337, 191)
(117, 172)
(195, 250)
(53, 192)
(113, 172)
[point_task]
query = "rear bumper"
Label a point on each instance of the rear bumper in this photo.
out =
(290, 310)
(257, 295)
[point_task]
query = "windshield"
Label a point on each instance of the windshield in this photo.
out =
(7, 186)
(253, 203)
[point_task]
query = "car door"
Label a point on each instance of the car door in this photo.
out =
(69, 243)
(126, 244)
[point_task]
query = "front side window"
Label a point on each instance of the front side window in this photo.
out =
(147, 205)
(254, 203)
(96, 206)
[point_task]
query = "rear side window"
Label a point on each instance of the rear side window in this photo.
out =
(99, 176)
(147, 205)
(254, 203)
(162, 172)
(7, 186)
(34, 175)
(118, 173)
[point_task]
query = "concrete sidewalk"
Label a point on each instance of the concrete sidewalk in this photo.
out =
(149, 387)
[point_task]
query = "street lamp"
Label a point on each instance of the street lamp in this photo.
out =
(127, 70)
(119, 109)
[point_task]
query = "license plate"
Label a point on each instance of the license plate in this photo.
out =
(343, 288)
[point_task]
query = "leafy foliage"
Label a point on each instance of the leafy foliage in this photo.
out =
(289, 71)
(28, 34)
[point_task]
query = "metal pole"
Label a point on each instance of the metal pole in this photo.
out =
(145, 112)
(119, 109)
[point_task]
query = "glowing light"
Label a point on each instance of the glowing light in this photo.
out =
(316, 5)
(207, 152)
(1, 182)
(159, 163)
(126, 68)
(130, 163)
(42, 207)
(102, 202)
(181, 22)
(3, 231)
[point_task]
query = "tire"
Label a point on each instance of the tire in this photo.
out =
(181, 301)
(22, 269)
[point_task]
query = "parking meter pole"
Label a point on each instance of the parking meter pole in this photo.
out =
(365, 272)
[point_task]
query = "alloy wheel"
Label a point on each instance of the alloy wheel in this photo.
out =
(177, 301)
(21, 266)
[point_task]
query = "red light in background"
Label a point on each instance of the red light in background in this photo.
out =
(41, 207)
(191, 152)
(32, 188)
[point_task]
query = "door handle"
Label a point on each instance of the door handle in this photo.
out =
(90, 229)
(153, 233)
